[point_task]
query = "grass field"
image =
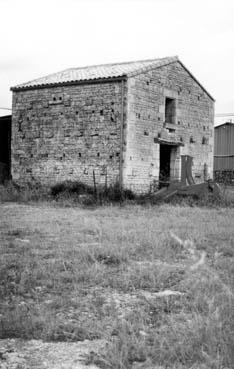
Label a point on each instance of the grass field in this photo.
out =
(156, 282)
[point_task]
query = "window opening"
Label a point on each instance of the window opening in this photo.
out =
(170, 110)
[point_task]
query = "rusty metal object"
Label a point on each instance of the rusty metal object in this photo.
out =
(197, 190)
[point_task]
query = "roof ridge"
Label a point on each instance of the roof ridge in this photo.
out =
(122, 63)
(98, 71)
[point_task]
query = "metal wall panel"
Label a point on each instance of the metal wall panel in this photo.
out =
(224, 147)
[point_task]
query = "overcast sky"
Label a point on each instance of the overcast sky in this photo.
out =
(38, 37)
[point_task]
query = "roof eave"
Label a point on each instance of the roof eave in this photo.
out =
(5, 117)
(224, 124)
(69, 83)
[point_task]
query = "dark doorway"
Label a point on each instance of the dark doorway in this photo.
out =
(5, 148)
(165, 165)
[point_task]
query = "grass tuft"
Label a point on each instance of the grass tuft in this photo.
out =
(155, 282)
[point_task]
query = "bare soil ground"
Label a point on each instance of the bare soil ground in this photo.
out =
(126, 287)
(36, 354)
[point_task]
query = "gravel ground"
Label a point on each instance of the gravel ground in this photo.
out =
(35, 354)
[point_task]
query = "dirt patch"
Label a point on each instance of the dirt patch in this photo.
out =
(35, 354)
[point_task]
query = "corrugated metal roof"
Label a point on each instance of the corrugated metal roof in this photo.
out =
(95, 72)
(225, 124)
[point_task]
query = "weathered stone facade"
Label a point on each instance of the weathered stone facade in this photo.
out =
(115, 128)
(191, 133)
(64, 133)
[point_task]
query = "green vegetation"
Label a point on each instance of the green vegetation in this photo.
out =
(68, 193)
(11, 191)
(75, 193)
(69, 274)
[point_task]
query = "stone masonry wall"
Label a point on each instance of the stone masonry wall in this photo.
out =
(193, 126)
(64, 133)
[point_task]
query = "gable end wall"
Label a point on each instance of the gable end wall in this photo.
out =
(146, 122)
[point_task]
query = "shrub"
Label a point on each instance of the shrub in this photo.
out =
(11, 191)
(70, 188)
(115, 193)
(69, 193)
(87, 195)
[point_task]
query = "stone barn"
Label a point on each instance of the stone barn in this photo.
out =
(129, 123)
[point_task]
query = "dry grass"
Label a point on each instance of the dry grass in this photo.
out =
(11, 191)
(72, 274)
(75, 193)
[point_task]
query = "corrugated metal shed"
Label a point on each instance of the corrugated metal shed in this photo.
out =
(224, 147)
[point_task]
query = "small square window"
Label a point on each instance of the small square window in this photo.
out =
(204, 140)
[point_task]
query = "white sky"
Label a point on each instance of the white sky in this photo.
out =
(38, 37)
